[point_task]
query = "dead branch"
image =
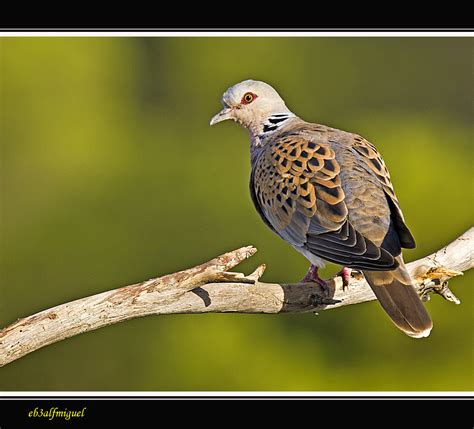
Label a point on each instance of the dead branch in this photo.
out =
(211, 288)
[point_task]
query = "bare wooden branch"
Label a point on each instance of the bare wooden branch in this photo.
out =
(210, 287)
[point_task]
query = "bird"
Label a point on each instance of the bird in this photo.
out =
(328, 193)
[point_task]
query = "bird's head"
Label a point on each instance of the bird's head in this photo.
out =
(252, 103)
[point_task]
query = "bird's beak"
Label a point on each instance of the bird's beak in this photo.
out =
(224, 114)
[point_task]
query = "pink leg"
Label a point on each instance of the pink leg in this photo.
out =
(345, 273)
(312, 277)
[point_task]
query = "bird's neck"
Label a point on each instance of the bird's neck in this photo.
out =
(267, 126)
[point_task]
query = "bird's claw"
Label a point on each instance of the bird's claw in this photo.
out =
(312, 277)
(346, 275)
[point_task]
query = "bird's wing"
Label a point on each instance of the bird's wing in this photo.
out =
(297, 189)
(374, 161)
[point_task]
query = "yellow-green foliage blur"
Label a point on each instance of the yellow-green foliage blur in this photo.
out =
(110, 174)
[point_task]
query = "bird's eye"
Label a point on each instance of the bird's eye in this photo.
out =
(248, 97)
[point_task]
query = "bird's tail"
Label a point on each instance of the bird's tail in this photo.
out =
(396, 294)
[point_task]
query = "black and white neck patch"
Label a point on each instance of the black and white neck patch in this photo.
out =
(274, 122)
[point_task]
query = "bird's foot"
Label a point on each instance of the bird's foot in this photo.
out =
(345, 274)
(313, 277)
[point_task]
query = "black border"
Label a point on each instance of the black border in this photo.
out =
(314, 411)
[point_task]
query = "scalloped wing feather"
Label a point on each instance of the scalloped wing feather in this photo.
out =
(297, 189)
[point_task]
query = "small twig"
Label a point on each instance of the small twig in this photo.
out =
(435, 280)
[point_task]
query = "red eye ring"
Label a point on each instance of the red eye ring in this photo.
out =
(248, 98)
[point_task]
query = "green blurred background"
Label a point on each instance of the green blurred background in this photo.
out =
(110, 174)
